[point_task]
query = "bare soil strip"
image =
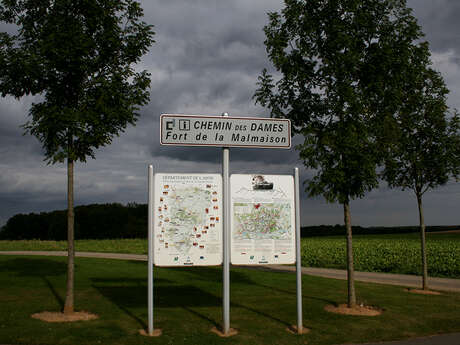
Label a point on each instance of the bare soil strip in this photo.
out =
(50, 316)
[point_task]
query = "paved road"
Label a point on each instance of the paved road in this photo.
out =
(442, 284)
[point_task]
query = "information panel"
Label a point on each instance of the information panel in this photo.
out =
(187, 220)
(262, 219)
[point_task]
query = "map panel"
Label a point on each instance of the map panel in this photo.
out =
(262, 219)
(187, 220)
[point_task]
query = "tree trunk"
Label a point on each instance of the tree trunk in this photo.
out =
(350, 269)
(423, 243)
(69, 298)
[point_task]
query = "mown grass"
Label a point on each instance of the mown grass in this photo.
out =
(399, 253)
(188, 305)
(128, 246)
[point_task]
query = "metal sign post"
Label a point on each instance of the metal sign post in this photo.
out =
(151, 331)
(298, 257)
(226, 237)
(150, 256)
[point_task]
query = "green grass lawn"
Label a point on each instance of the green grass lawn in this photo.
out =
(188, 304)
(129, 246)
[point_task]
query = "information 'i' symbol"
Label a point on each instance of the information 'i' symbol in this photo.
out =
(184, 125)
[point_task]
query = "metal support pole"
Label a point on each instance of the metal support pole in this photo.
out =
(298, 257)
(226, 239)
(150, 254)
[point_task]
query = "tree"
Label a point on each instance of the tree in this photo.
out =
(339, 64)
(78, 56)
(423, 150)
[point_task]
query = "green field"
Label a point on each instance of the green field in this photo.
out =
(373, 253)
(387, 253)
(188, 304)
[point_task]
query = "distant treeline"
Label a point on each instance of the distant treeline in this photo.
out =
(336, 230)
(96, 221)
(108, 221)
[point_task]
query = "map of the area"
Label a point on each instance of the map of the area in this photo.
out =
(187, 212)
(188, 220)
(255, 221)
(262, 219)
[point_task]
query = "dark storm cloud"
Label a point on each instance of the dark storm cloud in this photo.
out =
(206, 60)
(9, 28)
(440, 22)
(13, 115)
(210, 61)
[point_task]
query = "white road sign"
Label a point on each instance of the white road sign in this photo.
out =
(198, 130)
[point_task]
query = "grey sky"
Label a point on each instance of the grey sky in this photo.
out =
(206, 60)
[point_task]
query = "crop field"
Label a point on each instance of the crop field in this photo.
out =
(387, 253)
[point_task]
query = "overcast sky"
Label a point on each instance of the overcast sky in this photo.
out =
(206, 60)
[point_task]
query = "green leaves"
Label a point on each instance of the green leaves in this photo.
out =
(421, 153)
(340, 64)
(79, 56)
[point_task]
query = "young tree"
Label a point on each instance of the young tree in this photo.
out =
(339, 62)
(78, 56)
(424, 147)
